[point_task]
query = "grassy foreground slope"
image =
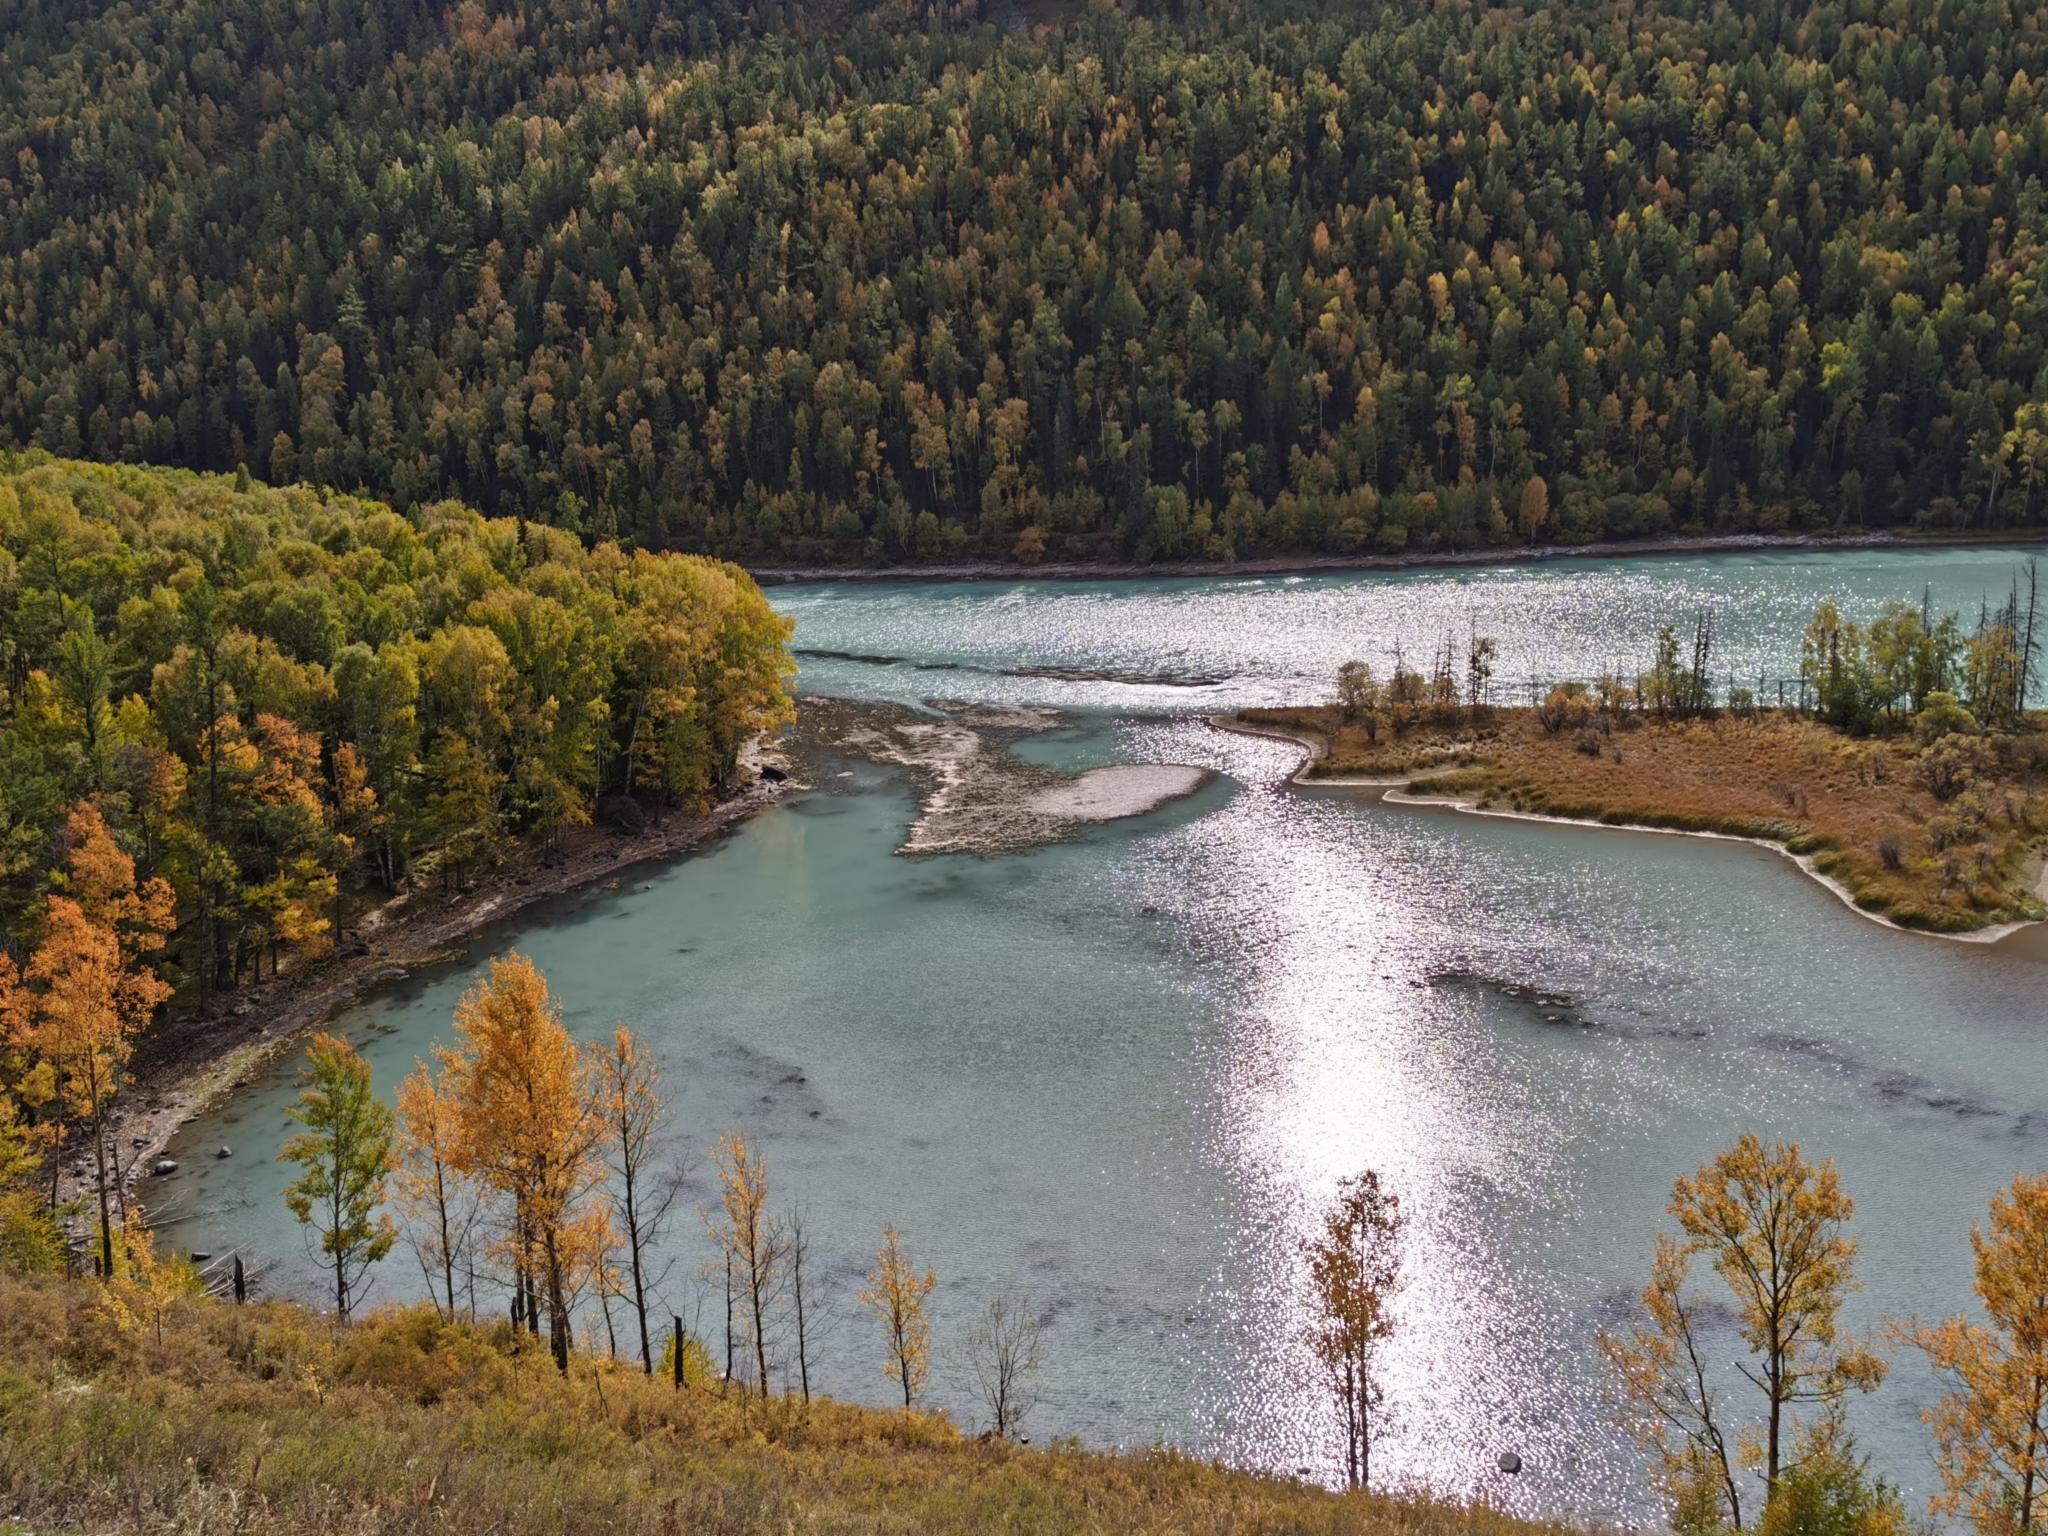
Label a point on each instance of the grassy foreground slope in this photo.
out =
(267, 1418)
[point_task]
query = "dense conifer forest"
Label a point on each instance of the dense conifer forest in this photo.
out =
(916, 282)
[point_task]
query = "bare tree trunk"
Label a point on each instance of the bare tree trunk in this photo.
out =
(99, 1150)
(558, 1307)
(639, 1284)
(803, 1343)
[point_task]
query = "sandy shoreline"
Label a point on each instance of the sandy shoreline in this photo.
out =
(190, 1064)
(1393, 791)
(1304, 565)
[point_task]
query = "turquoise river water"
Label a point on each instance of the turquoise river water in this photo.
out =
(1121, 1073)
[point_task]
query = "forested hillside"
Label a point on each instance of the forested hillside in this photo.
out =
(273, 697)
(915, 283)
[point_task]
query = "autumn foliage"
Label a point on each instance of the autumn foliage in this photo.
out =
(282, 703)
(1991, 1423)
(899, 281)
(528, 1127)
(72, 1012)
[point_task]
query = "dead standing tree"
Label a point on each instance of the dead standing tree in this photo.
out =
(629, 1085)
(1004, 1348)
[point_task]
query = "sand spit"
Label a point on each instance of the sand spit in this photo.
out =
(976, 795)
(1393, 792)
(1109, 794)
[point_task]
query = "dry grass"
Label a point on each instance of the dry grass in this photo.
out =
(1861, 808)
(267, 1419)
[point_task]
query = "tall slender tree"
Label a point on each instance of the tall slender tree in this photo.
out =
(1355, 1271)
(435, 1202)
(344, 1153)
(897, 1296)
(629, 1086)
(752, 1240)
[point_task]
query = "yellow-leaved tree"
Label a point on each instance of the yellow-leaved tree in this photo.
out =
(147, 1284)
(528, 1126)
(1991, 1426)
(751, 1242)
(896, 1293)
(1355, 1268)
(1772, 1226)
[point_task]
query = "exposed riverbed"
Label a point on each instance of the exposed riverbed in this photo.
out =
(1120, 1063)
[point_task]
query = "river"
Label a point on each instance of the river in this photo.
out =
(1121, 1073)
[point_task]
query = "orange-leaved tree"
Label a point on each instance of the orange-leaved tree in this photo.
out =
(1772, 1225)
(529, 1127)
(88, 989)
(1991, 1426)
(436, 1203)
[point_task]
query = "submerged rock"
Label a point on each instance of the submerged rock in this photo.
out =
(164, 1166)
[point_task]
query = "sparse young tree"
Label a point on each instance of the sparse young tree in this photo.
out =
(896, 1294)
(1479, 660)
(147, 1284)
(436, 1204)
(345, 1157)
(1355, 1270)
(629, 1085)
(753, 1241)
(1004, 1349)
(1772, 1226)
(811, 1311)
(1991, 1426)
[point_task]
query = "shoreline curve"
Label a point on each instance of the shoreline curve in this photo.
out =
(1393, 791)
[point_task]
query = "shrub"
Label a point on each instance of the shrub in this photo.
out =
(1951, 765)
(1565, 707)
(1942, 715)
